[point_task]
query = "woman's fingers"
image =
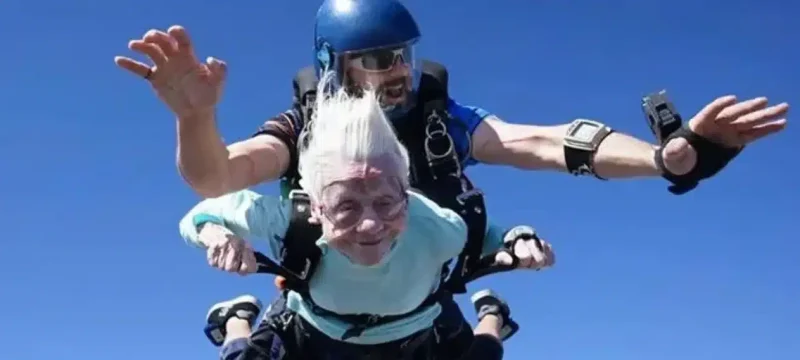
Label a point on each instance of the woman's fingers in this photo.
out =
(249, 264)
(212, 255)
(524, 254)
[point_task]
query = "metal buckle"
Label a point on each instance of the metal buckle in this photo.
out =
(303, 275)
(440, 132)
(434, 134)
(437, 131)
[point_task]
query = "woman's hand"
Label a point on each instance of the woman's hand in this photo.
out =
(226, 251)
(530, 251)
(188, 86)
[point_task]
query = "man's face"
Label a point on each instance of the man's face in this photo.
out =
(388, 71)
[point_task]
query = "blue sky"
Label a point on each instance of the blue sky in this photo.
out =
(92, 266)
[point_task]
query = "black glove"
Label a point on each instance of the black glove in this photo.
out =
(711, 158)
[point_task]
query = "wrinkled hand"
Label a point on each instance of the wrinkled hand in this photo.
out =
(728, 123)
(186, 85)
(532, 252)
(226, 251)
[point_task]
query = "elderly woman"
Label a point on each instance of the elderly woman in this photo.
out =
(383, 246)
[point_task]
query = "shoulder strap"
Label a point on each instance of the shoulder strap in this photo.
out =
(300, 255)
(449, 186)
(304, 92)
(434, 81)
(304, 85)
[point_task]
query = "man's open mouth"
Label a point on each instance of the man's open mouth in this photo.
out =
(395, 89)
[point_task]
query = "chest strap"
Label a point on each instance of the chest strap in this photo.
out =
(362, 322)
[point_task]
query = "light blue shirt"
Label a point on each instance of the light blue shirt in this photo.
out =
(397, 285)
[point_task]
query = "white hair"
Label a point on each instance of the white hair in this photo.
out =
(346, 129)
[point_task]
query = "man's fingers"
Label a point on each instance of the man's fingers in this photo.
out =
(166, 43)
(710, 111)
(763, 130)
(218, 68)
(181, 37)
(760, 117)
(136, 67)
(737, 110)
(151, 50)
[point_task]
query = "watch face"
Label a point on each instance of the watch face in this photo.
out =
(585, 132)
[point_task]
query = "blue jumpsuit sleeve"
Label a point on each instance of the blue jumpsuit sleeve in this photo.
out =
(468, 118)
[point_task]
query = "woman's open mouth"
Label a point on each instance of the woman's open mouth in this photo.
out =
(369, 243)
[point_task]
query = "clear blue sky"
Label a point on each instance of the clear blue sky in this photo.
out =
(92, 266)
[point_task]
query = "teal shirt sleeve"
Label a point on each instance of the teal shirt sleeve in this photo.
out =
(245, 213)
(493, 240)
(452, 228)
(448, 230)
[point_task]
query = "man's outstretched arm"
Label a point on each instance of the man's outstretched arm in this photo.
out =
(542, 147)
(721, 129)
(212, 169)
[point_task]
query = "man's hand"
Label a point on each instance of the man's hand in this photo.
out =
(226, 251)
(186, 85)
(532, 252)
(727, 123)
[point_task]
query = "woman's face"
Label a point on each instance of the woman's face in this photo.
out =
(362, 212)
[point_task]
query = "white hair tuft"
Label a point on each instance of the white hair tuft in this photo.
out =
(346, 129)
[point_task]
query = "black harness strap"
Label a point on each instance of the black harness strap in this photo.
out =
(304, 85)
(445, 181)
(300, 255)
(362, 322)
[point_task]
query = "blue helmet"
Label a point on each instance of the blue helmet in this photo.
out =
(383, 29)
(357, 25)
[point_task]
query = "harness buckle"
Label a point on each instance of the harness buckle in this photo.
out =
(435, 136)
(302, 275)
(285, 319)
(430, 127)
(464, 196)
(440, 148)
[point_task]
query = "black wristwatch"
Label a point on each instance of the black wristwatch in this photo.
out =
(580, 144)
